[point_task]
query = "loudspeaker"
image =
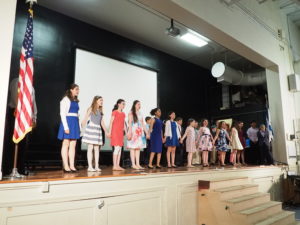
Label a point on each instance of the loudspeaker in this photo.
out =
(294, 82)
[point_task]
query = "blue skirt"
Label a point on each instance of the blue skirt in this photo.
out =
(172, 141)
(73, 123)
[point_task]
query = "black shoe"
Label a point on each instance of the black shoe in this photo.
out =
(67, 171)
(158, 167)
(150, 167)
(74, 171)
(174, 166)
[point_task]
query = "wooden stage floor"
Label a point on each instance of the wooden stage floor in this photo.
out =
(107, 172)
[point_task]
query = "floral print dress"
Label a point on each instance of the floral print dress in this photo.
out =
(138, 138)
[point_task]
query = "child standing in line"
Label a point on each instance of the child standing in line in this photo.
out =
(116, 132)
(179, 157)
(172, 135)
(136, 134)
(69, 129)
(146, 152)
(190, 141)
(213, 153)
(156, 138)
(241, 153)
(93, 132)
(197, 158)
(205, 141)
(221, 138)
(235, 144)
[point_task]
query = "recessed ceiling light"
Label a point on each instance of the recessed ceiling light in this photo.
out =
(194, 39)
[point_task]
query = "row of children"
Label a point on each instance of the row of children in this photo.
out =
(170, 134)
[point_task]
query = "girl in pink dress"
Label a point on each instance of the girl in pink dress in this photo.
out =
(116, 132)
(190, 141)
(205, 141)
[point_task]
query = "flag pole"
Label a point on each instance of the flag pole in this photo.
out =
(15, 174)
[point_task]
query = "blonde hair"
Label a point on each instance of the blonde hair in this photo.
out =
(94, 106)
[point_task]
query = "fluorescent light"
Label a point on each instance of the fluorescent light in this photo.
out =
(194, 39)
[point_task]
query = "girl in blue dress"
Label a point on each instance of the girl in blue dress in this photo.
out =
(156, 137)
(221, 145)
(172, 135)
(69, 129)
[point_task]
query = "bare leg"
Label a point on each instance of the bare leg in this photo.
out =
(189, 159)
(168, 156)
(64, 154)
(243, 157)
(151, 159)
(132, 157)
(90, 157)
(72, 154)
(119, 159)
(238, 157)
(137, 158)
(158, 159)
(97, 155)
(115, 158)
(173, 151)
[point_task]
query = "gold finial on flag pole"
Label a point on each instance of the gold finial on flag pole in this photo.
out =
(31, 2)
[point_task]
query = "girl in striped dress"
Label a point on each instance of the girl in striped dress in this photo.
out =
(93, 132)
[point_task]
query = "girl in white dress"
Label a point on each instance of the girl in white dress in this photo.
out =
(235, 144)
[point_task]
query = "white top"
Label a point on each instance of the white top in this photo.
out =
(252, 134)
(168, 129)
(65, 104)
(236, 143)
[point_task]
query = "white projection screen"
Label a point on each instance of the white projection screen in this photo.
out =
(112, 79)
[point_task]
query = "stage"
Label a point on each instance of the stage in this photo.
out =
(45, 175)
(146, 197)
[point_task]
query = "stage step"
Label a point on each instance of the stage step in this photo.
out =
(261, 212)
(237, 191)
(282, 218)
(237, 202)
(226, 182)
(248, 201)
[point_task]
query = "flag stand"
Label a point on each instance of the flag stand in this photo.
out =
(15, 174)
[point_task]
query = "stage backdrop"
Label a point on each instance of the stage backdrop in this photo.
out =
(113, 79)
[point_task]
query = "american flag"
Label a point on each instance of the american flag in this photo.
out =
(24, 111)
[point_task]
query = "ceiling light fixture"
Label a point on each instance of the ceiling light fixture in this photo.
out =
(172, 31)
(194, 39)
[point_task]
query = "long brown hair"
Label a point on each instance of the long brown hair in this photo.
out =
(69, 93)
(116, 106)
(133, 111)
(94, 106)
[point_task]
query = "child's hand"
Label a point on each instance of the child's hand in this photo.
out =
(129, 135)
(181, 141)
(67, 131)
(163, 139)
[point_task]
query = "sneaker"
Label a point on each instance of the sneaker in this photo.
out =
(98, 169)
(91, 170)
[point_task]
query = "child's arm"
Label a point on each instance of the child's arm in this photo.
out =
(104, 127)
(110, 125)
(145, 129)
(184, 136)
(199, 135)
(130, 119)
(217, 135)
(227, 135)
(151, 125)
(86, 117)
